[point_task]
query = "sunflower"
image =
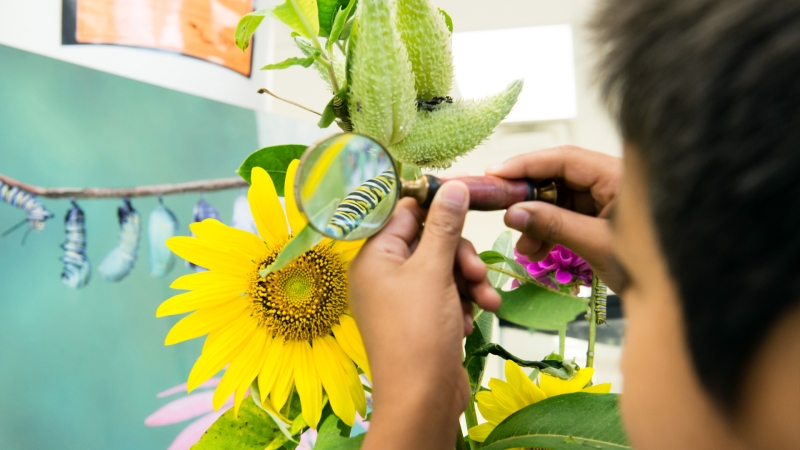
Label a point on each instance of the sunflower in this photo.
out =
(518, 391)
(291, 330)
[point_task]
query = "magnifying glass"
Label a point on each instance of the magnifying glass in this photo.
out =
(348, 185)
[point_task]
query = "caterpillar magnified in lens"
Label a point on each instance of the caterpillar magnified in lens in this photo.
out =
(118, 262)
(77, 269)
(601, 302)
(351, 211)
(36, 213)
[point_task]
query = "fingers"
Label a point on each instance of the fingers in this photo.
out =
(471, 279)
(398, 236)
(579, 169)
(587, 236)
(442, 234)
(469, 263)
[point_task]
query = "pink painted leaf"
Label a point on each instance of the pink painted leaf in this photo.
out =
(182, 388)
(192, 434)
(182, 409)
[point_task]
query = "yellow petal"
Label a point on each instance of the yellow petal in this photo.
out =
(206, 320)
(217, 233)
(505, 396)
(279, 392)
(581, 379)
(350, 374)
(241, 390)
(348, 249)
(490, 409)
(528, 392)
(333, 381)
(308, 384)
(201, 280)
(481, 432)
(217, 294)
(349, 339)
(228, 343)
(239, 368)
(266, 208)
(269, 371)
(296, 220)
(602, 388)
(211, 257)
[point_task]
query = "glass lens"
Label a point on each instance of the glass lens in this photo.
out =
(347, 187)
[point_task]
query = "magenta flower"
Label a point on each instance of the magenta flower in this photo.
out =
(562, 270)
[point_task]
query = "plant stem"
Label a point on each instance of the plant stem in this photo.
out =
(592, 317)
(472, 418)
(562, 341)
(460, 443)
(315, 41)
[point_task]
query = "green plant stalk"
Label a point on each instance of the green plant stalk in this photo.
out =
(307, 26)
(472, 419)
(592, 316)
(460, 443)
(562, 341)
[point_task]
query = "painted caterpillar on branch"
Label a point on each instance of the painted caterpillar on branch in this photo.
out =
(77, 269)
(36, 213)
(118, 262)
(161, 226)
(359, 203)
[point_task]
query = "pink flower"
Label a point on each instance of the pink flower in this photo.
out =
(191, 406)
(561, 269)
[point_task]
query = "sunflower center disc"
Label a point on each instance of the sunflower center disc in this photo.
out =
(303, 300)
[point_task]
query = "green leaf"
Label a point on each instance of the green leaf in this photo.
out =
(556, 368)
(504, 245)
(300, 15)
(326, 12)
(538, 307)
(334, 30)
(328, 116)
(411, 172)
(333, 434)
(563, 422)
(254, 429)
(302, 242)
(247, 26)
(481, 335)
(492, 257)
(275, 160)
(305, 62)
(447, 20)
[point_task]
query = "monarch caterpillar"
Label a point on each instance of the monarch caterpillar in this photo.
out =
(342, 113)
(36, 213)
(161, 226)
(77, 269)
(202, 211)
(119, 261)
(351, 211)
(601, 302)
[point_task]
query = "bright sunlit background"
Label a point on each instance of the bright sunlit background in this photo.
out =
(106, 398)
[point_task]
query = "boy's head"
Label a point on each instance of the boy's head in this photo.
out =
(707, 97)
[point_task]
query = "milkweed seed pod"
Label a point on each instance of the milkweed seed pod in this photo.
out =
(382, 100)
(161, 226)
(428, 42)
(453, 129)
(118, 262)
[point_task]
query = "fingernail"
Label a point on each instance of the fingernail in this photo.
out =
(495, 168)
(453, 194)
(517, 218)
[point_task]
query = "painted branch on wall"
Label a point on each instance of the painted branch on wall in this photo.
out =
(138, 191)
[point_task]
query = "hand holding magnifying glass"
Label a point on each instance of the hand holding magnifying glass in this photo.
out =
(348, 185)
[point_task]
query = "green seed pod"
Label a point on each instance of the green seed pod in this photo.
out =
(452, 130)
(428, 42)
(382, 101)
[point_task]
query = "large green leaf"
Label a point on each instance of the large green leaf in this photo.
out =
(481, 335)
(504, 245)
(300, 15)
(275, 160)
(247, 26)
(289, 62)
(302, 242)
(563, 422)
(538, 307)
(328, 11)
(253, 430)
(333, 434)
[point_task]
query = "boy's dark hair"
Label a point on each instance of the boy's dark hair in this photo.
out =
(708, 93)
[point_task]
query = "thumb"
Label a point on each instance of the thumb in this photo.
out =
(442, 233)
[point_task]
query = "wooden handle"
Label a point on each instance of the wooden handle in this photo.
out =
(494, 194)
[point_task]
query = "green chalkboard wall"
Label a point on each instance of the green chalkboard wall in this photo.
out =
(81, 369)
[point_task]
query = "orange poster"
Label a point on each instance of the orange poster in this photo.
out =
(200, 28)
